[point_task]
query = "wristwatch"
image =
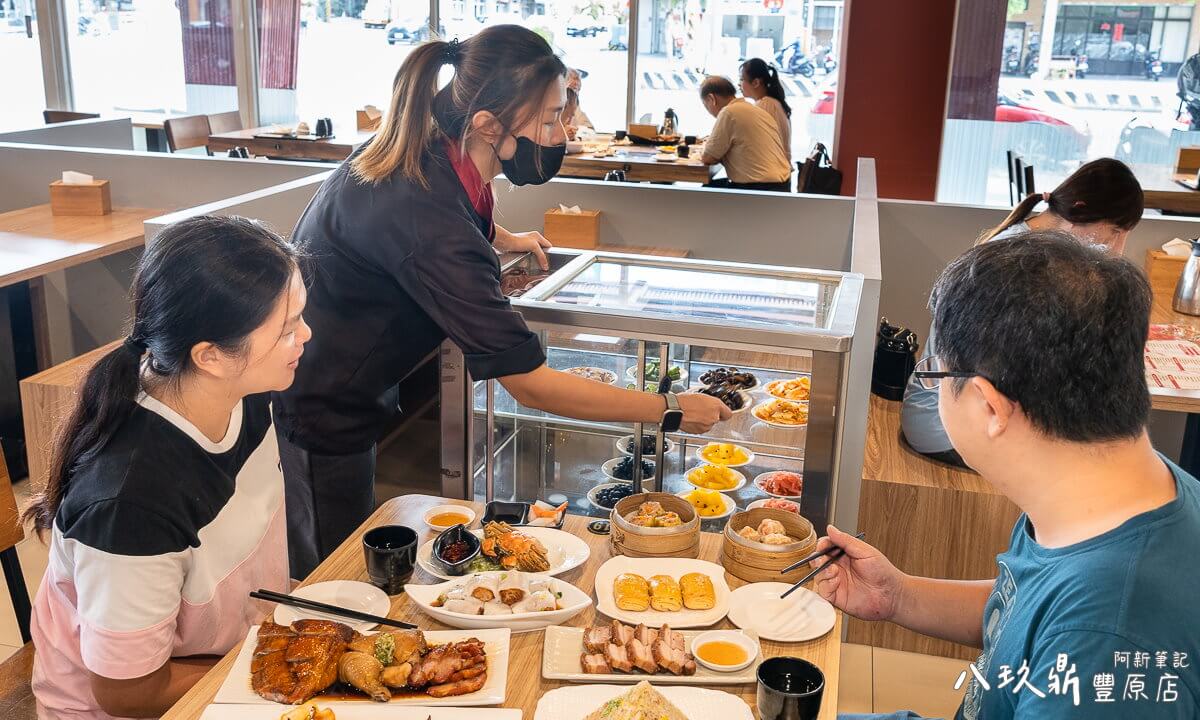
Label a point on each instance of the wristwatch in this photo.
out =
(673, 417)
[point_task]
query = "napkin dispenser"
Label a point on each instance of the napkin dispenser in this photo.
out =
(368, 119)
(570, 227)
(79, 194)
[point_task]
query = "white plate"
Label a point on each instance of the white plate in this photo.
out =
(767, 390)
(631, 373)
(609, 465)
(563, 647)
(730, 507)
(573, 601)
(754, 413)
(440, 509)
(578, 701)
(367, 711)
(801, 616)
(668, 446)
(793, 498)
(764, 501)
(345, 593)
(563, 550)
(749, 455)
(676, 568)
(612, 376)
(740, 483)
(666, 158)
(236, 688)
(591, 496)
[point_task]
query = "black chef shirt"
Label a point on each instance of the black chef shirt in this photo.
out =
(393, 270)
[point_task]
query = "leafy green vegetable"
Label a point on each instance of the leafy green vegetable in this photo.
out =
(483, 564)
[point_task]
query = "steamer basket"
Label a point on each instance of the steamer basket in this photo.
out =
(756, 562)
(636, 541)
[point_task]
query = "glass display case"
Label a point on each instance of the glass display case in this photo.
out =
(624, 315)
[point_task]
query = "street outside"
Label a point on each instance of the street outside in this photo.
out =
(343, 65)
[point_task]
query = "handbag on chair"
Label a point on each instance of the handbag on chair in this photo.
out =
(817, 174)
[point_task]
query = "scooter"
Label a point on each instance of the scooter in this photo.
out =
(1012, 62)
(825, 59)
(792, 61)
(1154, 67)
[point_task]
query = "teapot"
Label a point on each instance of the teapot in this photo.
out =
(1187, 290)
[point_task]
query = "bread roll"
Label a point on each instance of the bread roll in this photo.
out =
(631, 592)
(665, 595)
(698, 591)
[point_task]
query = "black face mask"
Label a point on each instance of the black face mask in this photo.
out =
(533, 164)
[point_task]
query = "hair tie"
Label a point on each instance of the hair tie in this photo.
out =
(453, 52)
(135, 346)
(1046, 197)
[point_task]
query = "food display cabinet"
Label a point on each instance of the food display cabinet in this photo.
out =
(622, 314)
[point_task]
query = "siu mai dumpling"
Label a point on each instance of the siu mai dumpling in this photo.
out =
(771, 527)
(776, 539)
(750, 534)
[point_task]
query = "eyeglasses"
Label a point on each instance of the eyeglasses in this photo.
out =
(930, 371)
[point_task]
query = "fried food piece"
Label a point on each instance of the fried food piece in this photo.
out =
(363, 671)
(292, 664)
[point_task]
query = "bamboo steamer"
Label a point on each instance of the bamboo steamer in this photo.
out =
(756, 562)
(636, 541)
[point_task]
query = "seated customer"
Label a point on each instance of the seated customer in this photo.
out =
(573, 118)
(165, 503)
(1099, 204)
(1044, 392)
(745, 140)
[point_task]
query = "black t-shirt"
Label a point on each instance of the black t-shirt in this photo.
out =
(393, 270)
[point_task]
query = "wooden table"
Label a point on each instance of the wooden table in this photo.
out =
(639, 167)
(337, 148)
(1163, 272)
(34, 242)
(525, 684)
(1163, 192)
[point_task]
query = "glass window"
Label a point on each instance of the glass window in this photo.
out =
(328, 58)
(682, 41)
(1060, 116)
(20, 56)
(591, 37)
(152, 55)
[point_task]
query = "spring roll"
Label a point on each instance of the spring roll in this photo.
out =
(496, 607)
(466, 606)
(483, 588)
(513, 587)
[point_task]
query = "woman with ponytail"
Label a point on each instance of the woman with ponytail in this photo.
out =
(164, 503)
(403, 256)
(1100, 203)
(760, 83)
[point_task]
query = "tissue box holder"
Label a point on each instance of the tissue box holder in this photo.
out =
(566, 230)
(365, 123)
(90, 199)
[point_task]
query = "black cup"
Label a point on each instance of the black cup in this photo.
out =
(689, 139)
(789, 689)
(619, 135)
(683, 151)
(391, 551)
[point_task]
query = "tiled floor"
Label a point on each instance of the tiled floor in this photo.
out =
(872, 679)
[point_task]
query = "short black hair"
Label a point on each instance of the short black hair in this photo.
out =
(717, 85)
(1057, 325)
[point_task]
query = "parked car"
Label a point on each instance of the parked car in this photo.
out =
(411, 30)
(583, 25)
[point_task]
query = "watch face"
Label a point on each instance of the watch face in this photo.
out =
(672, 419)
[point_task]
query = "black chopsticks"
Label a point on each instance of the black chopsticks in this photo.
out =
(833, 552)
(305, 604)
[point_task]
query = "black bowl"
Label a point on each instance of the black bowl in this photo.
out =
(454, 534)
(513, 513)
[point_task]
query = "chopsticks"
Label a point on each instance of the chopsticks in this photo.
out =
(306, 604)
(833, 552)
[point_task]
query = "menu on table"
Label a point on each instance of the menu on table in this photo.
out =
(1172, 364)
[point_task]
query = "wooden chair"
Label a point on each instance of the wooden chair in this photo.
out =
(16, 694)
(186, 132)
(60, 116)
(12, 533)
(224, 122)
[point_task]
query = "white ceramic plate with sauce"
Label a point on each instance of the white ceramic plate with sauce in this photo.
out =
(564, 551)
(563, 648)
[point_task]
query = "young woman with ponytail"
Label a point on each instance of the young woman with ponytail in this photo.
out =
(1099, 204)
(164, 503)
(760, 83)
(403, 256)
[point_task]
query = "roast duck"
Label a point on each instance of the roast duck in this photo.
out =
(293, 664)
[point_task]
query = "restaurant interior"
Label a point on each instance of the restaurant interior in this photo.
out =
(803, 310)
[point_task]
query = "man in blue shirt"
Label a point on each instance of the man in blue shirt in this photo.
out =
(1094, 611)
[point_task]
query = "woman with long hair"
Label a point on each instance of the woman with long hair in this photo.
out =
(760, 83)
(403, 256)
(1099, 204)
(165, 500)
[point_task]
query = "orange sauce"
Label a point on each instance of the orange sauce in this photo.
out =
(448, 519)
(722, 652)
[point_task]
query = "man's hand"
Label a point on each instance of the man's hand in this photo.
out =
(862, 582)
